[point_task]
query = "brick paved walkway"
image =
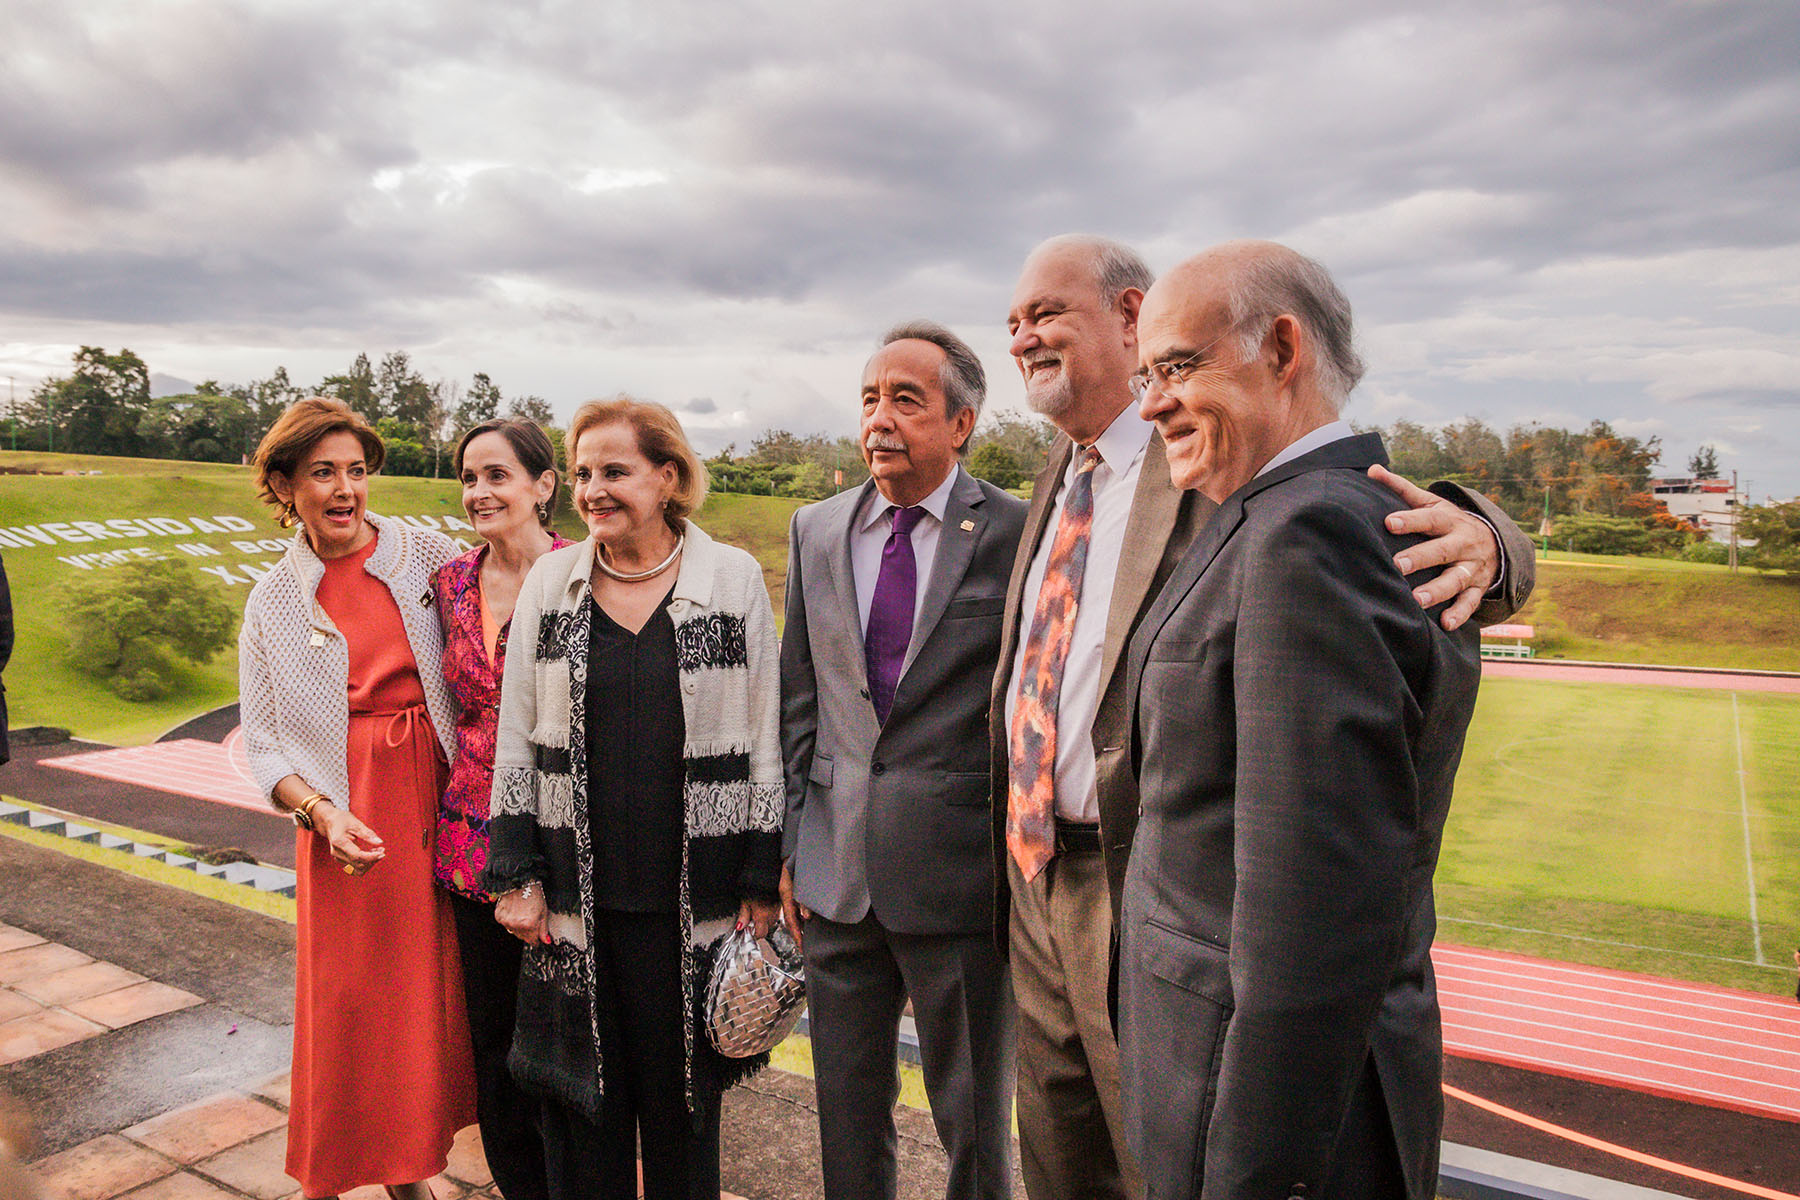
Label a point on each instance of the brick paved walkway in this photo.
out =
(230, 1146)
(52, 995)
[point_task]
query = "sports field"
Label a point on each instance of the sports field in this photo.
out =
(1649, 828)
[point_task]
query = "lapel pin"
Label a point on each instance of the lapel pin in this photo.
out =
(968, 527)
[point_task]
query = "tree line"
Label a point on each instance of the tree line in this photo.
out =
(104, 406)
(1586, 489)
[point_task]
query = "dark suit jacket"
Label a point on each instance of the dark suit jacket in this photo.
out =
(1163, 522)
(894, 816)
(1299, 721)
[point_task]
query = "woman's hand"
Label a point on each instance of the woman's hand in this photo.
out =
(353, 844)
(760, 913)
(521, 912)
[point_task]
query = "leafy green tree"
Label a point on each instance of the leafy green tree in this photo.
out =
(1776, 528)
(97, 408)
(1594, 533)
(994, 463)
(356, 387)
(133, 625)
(480, 403)
(533, 408)
(1026, 440)
(406, 454)
(1704, 463)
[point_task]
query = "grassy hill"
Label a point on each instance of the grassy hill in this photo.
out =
(43, 686)
(1640, 610)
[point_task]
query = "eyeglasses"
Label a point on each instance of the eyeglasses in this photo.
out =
(1164, 375)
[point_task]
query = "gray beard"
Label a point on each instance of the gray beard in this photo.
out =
(1052, 400)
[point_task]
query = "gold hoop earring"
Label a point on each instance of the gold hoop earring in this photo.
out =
(289, 517)
(543, 512)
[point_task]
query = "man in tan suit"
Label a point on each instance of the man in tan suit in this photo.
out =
(1105, 529)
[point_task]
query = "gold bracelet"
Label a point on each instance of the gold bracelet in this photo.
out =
(302, 812)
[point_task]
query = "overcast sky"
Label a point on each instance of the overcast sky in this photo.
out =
(1542, 212)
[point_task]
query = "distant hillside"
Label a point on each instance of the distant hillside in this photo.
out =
(1656, 611)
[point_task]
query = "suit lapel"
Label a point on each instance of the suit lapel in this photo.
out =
(843, 576)
(1043, 498)
(1154, 508)
(955, 550)
(1353, 453)
(1193, 565)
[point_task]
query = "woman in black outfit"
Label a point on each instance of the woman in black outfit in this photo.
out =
(637, 810)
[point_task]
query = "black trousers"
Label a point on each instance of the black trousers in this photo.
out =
(643, 1078)
(508, 1116)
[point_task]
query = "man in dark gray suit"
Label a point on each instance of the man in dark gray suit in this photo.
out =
(1074, 327)
(1298, 722)
(894, 593)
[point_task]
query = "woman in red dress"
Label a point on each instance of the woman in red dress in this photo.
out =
(342, 699)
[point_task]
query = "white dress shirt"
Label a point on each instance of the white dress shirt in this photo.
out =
(1115, 482)
(874, 527)
(1306, 443)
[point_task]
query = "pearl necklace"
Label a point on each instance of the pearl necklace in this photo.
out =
(623, 577)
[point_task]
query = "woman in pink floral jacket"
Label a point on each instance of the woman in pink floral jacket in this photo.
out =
(509, 481)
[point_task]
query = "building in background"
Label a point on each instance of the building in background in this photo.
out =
(1708, 504)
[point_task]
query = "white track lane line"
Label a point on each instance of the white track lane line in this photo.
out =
(1512, 967)
(1576, 937)
(1691, 1012)
(1672, 1057)
(1665, 1011)
(1655, 1086)
(1482, 1006)
(1590, 1053)
(1737, 731)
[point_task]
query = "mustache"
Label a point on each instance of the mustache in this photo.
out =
(884, 441)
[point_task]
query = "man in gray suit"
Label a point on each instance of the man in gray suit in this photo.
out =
(894, 594)
(1074, 327)
(1298, 722)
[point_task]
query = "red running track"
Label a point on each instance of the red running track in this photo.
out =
(1573, 672)
(214, 771)
(1688, 1041)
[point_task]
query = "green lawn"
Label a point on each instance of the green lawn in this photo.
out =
(1591, 811)
(43, 686)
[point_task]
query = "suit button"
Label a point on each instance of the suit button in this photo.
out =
(877, 768)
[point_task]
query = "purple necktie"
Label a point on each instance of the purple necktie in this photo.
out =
(891, 612)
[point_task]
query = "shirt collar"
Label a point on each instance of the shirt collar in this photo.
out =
(1123, 440)
(1324, 435)
(935, 504)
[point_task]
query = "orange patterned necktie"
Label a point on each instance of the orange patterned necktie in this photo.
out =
(1031, 787)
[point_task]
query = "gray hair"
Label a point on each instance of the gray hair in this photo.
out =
(963, 380)
(1117, 267)
(1280, 281)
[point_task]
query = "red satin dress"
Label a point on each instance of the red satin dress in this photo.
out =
(383, 1076)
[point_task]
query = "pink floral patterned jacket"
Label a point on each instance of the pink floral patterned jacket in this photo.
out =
(474, 683)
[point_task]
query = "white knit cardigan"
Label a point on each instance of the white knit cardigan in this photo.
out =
(294, 665)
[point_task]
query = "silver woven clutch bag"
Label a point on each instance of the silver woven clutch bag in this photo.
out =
(753, 1000)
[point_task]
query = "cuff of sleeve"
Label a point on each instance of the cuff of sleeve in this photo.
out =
(1458, 497)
